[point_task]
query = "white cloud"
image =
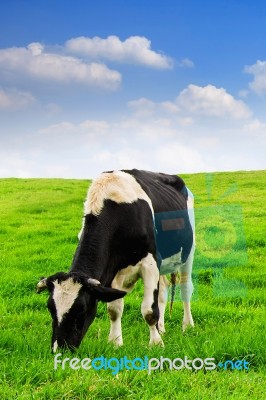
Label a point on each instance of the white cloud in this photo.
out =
(142, 107)
(148, 130)
(133, 50)
(69, 134)
(193, 101)
(125, 158)
(243, 93)
(169, 107)
(15, 164)
(147, 108)
(12, 99)
(186, 63)
(57, 169)
(208, 143)
(84, 149)
(94, 126)
(52, 109)
(168, 136)
(62, 128)
(175, 156)
(255, 125)
(258, 70)
(256, 129)
(212, 101)
(36, 48)
(35, 62)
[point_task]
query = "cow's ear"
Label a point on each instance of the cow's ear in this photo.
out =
(107, 294)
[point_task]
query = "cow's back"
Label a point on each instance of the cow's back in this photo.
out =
(169, 196)
(167, 192)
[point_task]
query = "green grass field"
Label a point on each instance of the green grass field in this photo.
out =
(40, 220)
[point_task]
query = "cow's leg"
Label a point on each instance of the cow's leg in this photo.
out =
(149, 308)
(186, 285)
(124, 280)
(115, 311)
(163, 292)
(186, 289)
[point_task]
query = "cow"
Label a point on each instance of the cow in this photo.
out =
(137, 224)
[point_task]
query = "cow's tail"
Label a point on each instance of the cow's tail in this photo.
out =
(173, 290)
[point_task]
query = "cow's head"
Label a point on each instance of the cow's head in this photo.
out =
(72, 303)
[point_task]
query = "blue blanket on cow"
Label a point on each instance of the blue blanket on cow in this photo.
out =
(174, 239)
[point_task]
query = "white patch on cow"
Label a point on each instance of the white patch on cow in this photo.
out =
(150, 275)
(65, 293)
(162, 300)
(190, 209)
(117, 186)
(55, 346)
(187, 319)
(125, 279)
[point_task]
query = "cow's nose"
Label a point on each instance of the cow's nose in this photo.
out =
(59, 346)
(68, 346)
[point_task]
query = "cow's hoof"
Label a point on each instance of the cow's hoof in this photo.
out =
(161, 329)
(117, 341)
(156, 342)
(187, 324)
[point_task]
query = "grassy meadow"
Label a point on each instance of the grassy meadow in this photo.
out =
(39, 223)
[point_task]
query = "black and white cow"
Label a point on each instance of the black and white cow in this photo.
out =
(137, 224)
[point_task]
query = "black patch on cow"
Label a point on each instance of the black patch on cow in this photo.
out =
(112, 314)
(122, 235)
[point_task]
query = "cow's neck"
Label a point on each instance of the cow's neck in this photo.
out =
(91, 257)
(88, 260)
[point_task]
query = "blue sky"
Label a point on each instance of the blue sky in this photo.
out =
(170, 86)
